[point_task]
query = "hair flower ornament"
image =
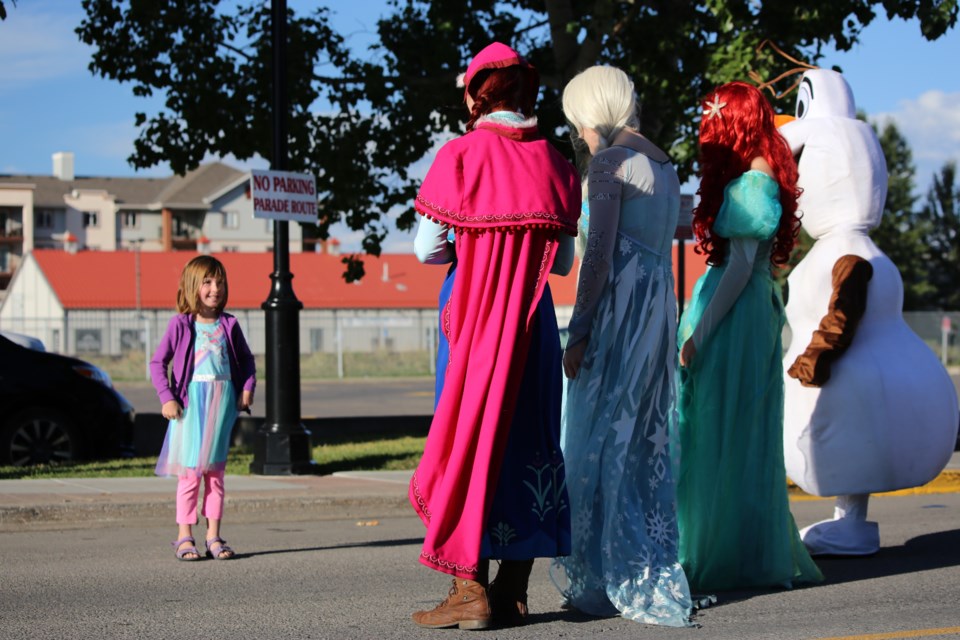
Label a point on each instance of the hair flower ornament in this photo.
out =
(714, 107)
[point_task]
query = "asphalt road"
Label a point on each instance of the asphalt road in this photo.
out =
(336, 398)
(325, 398)
(404, 404)
(408, 402)
(359, 578)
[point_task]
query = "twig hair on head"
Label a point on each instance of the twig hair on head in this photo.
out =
(768, 84)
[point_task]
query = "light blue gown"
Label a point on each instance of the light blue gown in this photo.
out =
(735, 522)
(619, 409)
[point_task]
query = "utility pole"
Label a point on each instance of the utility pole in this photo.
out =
(282, 444)
(137, 246)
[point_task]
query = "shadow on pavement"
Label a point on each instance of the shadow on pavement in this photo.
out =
(923, 553)
(563, 615)
(931, 551)
(358, 545)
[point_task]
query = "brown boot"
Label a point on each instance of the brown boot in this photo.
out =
(508, 593)
(466, 606)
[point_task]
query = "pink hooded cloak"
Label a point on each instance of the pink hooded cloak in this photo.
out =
(508, 194)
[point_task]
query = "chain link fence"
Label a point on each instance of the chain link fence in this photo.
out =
(333, 343)
(939, 330)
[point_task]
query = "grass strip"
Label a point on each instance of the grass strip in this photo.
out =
(367, 453)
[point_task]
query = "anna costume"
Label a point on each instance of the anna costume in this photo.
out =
(491, 483)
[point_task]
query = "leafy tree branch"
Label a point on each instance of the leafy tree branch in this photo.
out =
(360, 120)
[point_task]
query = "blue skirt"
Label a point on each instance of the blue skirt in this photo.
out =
(530, 513)
(198, 442)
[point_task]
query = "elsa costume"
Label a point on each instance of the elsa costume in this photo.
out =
(619, 409)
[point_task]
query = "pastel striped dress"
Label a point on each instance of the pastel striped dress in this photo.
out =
(197, 443)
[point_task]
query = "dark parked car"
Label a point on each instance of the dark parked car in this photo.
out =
(56, 408)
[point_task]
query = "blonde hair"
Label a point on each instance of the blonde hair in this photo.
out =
(601, 98)
(194, 272)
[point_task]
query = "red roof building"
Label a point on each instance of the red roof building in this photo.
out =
(102, 299)
(108, 279)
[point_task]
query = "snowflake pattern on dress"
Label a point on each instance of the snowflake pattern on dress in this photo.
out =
(617, 425)
(660, 527)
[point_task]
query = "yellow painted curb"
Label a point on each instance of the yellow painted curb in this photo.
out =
(899, 635)
(947, 482)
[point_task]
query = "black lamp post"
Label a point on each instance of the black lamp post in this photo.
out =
(683, 233)
(282, 444)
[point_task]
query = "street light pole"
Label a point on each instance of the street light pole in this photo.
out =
(282, 444)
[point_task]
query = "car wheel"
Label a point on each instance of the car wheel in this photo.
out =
(39, 436)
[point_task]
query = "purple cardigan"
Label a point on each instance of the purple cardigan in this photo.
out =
(177, 345)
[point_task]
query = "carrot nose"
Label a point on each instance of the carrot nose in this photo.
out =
(781, 119)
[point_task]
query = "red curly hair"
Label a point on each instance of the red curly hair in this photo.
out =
(742, 129)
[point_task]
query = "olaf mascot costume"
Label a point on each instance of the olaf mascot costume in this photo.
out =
(868, 406)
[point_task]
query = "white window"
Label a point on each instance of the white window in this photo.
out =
(180, 228)
(130, 220)
(87, 340)
(231, 220)
(131, 340)
(10, 221)
(91, 219)
(229, 248)
(43, 218)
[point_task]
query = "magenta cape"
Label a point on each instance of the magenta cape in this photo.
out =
(508, 194)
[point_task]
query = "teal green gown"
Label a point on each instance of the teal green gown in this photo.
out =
(736, 529)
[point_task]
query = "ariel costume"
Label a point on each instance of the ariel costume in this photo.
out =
(490, 483)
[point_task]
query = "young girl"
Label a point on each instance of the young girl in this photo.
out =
(211, 362)
(736, 530)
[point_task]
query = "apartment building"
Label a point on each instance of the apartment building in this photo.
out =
(208, 209)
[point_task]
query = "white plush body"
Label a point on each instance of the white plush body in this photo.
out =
(887, 418)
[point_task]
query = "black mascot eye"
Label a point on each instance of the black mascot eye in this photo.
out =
(804, 97)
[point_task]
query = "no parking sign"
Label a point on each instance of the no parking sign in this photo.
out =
(283, 195)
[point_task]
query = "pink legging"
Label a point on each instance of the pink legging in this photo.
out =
(188, 487)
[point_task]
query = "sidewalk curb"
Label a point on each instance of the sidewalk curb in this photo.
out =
(948, 481)
(240, 509)
(337, 498)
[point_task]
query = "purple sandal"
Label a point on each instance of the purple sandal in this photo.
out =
(182, 553)
(222, 548)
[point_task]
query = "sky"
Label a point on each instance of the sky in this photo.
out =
(50, 102)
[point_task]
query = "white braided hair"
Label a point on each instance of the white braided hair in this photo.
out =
(601, 98)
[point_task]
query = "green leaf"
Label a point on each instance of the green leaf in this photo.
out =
(362, 120)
